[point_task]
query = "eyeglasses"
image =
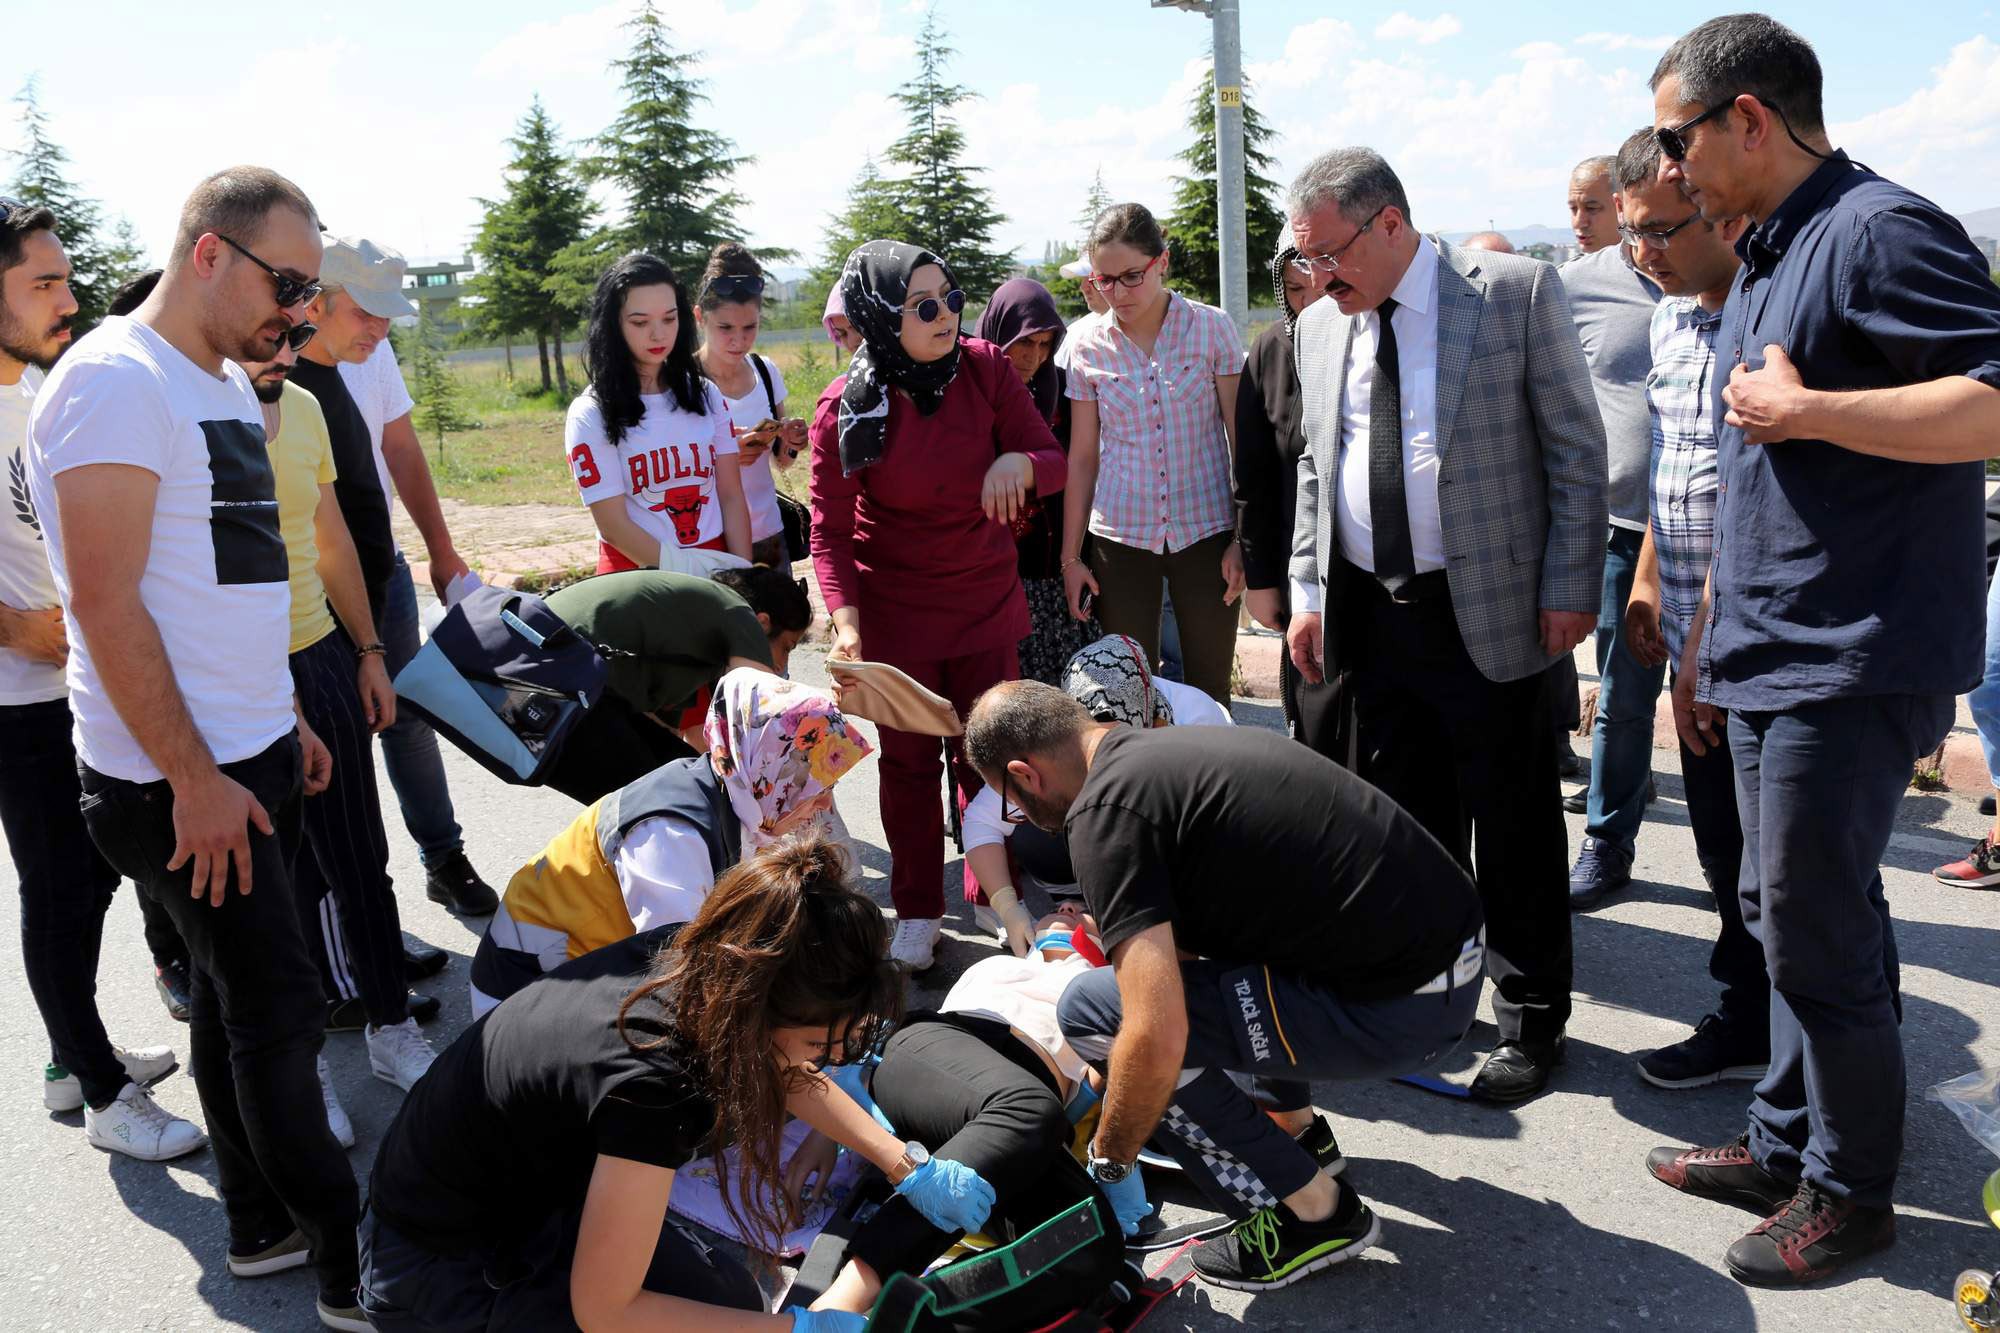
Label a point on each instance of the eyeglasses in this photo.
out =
(297, 336)
(1329, 262)
(1129, 278)
(1673, 138)
(735, 286)
(1009, 812)
(291, 291)
(1636, 237)
(927, 309)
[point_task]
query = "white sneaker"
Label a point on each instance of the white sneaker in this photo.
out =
(145, 1066)
(336, 1114)
(398, 1053)
(913, 948)
(138, 1126)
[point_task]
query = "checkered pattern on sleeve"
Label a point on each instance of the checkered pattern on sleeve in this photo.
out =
(1680, 396)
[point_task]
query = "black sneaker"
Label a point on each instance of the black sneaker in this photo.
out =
(1715, 1051)
(422, 960)
(349, 1016)
(1273, 1248)
(455, 884)
(1809, 1238)
(1727, 1174)
(172, 982)
(1317, 1139)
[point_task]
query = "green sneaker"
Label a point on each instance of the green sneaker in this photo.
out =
(60, 1090)
(1273, 1248)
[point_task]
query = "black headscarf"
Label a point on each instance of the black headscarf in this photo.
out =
(874, 285)
(1021, 308)
(1279, 263)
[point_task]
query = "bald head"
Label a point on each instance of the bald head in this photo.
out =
(1593, 213)
(1487, 240)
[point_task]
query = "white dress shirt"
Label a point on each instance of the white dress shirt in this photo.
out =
(1416, 325)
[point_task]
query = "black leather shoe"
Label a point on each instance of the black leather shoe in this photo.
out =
(349, 1016)
(1517, 1070)
(1577, 800)
(455, 885)
(422, 960)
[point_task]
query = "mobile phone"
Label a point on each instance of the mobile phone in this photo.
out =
(1088, 603)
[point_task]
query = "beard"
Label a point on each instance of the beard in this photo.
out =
(269, 391)
(1046, 815)
(15, 341)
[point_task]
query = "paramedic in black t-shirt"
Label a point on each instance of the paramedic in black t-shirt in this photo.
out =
(525, 1182)
(1266, 912)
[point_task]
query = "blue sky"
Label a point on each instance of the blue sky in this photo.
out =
(393, 115)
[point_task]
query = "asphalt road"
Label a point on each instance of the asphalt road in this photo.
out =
(1541, 1217)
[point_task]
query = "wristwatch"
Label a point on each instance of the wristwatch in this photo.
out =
(1105, 1171)
(915, 1157)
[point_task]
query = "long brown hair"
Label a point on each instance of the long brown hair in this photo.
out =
(783, 940)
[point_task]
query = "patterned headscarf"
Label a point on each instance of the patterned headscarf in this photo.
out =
(776, 744)
(1279, 263)
(873, 287)
(1109, 678)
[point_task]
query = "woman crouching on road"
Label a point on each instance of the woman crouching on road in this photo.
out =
(524, 1184)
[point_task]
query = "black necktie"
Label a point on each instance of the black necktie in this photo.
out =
(1388, 510)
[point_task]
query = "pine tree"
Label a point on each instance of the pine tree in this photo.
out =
(943, 208)
(1094, 203)
(1193, 224)
(871, 214)
(440, 407)
(42, 178)
(673, 174)
(546, 210)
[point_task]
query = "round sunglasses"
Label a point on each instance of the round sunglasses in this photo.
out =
(735, 287)
(927, 310)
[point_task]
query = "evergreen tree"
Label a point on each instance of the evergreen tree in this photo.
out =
(1094, 203)
(943, 207)
(871, 214)
(440, 407)
(42, 177)
(545, 211)
(1193, 225)
(674, 175)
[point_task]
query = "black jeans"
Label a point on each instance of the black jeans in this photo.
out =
(968, 1089)
(615, 744)
(341, 876)
(1737, 960)
(1419, 700)
(256, 1020)
(406, 1288)
(66, 888)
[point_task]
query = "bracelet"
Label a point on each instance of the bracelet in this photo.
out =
(371, 649)
(1067, 562)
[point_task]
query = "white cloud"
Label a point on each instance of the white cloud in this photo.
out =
(1310, 51)
(1943, 140)
(1624, 41)
(1402, 27)
(581, 45)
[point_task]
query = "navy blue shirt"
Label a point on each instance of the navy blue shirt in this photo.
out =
(1838, 574)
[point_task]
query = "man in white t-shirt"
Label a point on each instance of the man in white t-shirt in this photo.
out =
(66, 884)
(147, 464)
(350, 359)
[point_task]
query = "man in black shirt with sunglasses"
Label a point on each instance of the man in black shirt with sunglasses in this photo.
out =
(1843, 610)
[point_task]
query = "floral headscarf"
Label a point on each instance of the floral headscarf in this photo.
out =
(776, 744)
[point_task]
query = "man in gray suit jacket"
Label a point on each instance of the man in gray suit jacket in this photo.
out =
(1449, 546)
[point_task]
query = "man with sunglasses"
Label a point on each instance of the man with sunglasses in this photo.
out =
(149, 467)
(352, 371)
(1857, 390)
(66, 884)
(1449, 548)
(1613, 301)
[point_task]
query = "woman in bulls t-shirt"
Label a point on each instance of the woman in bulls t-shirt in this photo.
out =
(649, 441)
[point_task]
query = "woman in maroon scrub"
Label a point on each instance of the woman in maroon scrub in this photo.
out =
(923, 454)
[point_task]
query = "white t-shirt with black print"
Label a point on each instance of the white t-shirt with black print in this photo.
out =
(664, 466)
(215, 580)
(25, 581)
(760, 488)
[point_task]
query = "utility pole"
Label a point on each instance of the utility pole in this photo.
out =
(1230, 244)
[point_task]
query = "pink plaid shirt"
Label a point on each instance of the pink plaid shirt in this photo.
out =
(1163, 456)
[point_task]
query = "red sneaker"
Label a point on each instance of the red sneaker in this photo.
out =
(1979, 870)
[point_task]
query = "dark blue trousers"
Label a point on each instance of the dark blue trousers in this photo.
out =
(1737, 960)
(1818, 787)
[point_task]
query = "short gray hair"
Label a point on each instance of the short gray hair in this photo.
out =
(1603, 164)
(1638, 160)
(1021, 718)
(1358, 181)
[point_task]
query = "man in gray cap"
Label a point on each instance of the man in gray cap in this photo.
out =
(349, 368)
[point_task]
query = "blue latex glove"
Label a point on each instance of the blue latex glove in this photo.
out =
(848, 1078)
(950, 1195)
(1128, 1201)
(1081, 1101)
(825, 1321)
